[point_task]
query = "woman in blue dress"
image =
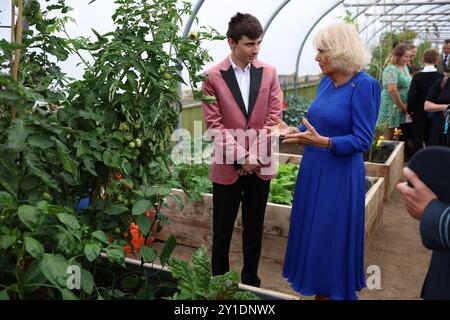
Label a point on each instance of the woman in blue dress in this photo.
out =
(325, 251)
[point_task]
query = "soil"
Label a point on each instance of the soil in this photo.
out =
(396, 248)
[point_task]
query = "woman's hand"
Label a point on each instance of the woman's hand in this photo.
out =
(309, 137)
(281, 129)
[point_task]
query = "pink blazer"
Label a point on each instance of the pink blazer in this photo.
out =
(228, 113)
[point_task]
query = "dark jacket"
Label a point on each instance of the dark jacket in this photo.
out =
(418, 90)
(435, 233)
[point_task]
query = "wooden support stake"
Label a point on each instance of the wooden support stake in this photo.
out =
(17, 51)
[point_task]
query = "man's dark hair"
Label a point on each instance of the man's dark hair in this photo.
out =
(244, 24)
(447, 41)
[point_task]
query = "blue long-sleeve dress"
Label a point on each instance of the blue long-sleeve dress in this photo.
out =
(325, 250)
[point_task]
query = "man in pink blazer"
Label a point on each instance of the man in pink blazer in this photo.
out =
(247, 94)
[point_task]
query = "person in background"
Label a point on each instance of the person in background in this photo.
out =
(395, 82)
(325, 250)
(443, 64)
(434, 216)
(412, 67)
(418, 90)
(438, 102)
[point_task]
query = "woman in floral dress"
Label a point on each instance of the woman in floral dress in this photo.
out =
(395, 80)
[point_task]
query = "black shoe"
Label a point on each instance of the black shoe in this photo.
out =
(255, 282)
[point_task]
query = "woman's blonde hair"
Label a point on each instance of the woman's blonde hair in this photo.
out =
(345, 48)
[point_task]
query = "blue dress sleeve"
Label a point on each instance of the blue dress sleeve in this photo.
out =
(365, 104)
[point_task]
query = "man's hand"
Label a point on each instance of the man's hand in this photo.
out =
(280, 129)
(251, 163)
(416, 198)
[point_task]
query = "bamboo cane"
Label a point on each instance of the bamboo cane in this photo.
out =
(17, 51)
(13, 24)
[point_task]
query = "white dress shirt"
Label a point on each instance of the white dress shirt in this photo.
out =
(429, 69)
(243, 80)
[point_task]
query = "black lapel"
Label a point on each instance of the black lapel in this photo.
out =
(230, 80)
(255, 84)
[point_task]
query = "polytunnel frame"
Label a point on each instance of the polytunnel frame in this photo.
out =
(199, 4)
(387, 24)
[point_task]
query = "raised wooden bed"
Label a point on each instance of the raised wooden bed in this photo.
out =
(192, 225)
(158, 274)
(390, 170)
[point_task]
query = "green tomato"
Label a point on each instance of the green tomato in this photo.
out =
(128, 137)
(124, 126)
(138, 142)
(167, 76)
(162, 69)
(132, 145)
(46, 196)
(137, 125)
(126, 202)
(117, 230)
(120, 198)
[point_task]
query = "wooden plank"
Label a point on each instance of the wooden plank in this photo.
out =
(194, 233)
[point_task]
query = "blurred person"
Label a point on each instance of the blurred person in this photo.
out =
(443, 64)
(438, 103)
(434, 215)
(325, 250)
(418, 90)
(395, 82)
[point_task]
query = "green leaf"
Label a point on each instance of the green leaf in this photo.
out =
(168, 249)
(9, 175)
(116, 209)
(145, 292)
(67, 294)
(87, 281)
(92, 251)
(101, 236)
(34, 248)
(99, 36)
(68, 163)
(35, 168)
(4, 295)
(6, 241)
(162, 191)
(6, 200)
(89, 165)
(17, 134)
(148, 253)
(69, 220)
(8, 95)
(141, 206)
(40, 141)
(129, 283)
(6, 45)
(30, 216)
(54, 268)
(144, 224)
(115, 255)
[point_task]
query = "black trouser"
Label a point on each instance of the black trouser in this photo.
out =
(420, 131)
(253, 192)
